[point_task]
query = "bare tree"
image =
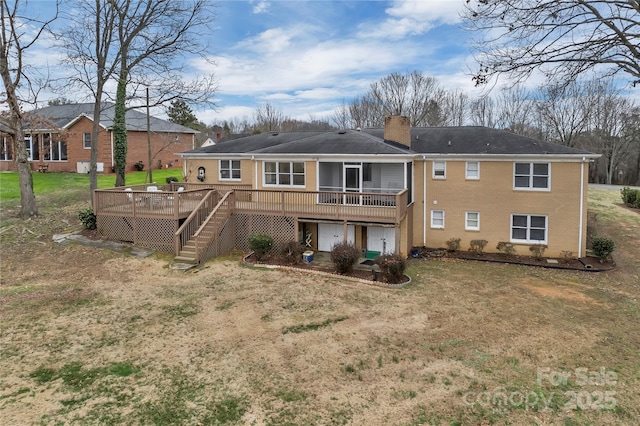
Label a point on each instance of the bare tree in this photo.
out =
(149, 41)
(455, 106)
(482, 111)
(341, 117)
(268, 118)
(565, 110)
(560, 38)
(19, 33)
(515, 110)
(366, 111)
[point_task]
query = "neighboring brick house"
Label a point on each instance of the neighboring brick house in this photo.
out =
(394, 188)
(60, 138)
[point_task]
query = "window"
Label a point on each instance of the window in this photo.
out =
(472, 170)
(533, 176)
(437, 218)
(439, 169)
(5, 149)
(229, 169)
(527, 228)
(27, 145)
(472, 221)
(283, 173)
(86, 140)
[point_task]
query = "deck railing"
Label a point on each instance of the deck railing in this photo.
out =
(213, 225)
(195, 220)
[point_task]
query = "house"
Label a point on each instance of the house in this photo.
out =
(58, 137)
(387, 190)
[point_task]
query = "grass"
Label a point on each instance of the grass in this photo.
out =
(92, 338)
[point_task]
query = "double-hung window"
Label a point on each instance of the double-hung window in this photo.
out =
(437, 219)
(529, 228)
(472, 170)
(439, 169)
(472, 221)
(86, 140)
(284, 173)
(531, 176)
(5, 149)
(230, 170)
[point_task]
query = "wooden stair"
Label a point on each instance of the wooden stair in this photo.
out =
(207, 235)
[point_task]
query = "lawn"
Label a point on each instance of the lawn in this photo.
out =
(94, 337)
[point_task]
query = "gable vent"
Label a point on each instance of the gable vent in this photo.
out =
(342, 132)
(274, 134)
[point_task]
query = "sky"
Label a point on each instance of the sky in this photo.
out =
(308, 57)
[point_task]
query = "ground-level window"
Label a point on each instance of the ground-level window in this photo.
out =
(86, 140)
(437, 218)
(472, 170)
(229, 169)
(284, 173)
(472, 221)
(532, 176)
(529, 228)
(5, 149)
(439, 169)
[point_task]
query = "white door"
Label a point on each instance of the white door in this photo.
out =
(352, 182)
(330, 234)
(381, 239)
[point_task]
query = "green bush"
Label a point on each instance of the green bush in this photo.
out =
(292, 252)
(506, 248)
(602, 247)
(393, 266)
(88, 218)
(170, 179)
(344, 256)
(453, 244)
(630, 197)
(478, 246)
(260, 244)
(538, 250)
(139, 166)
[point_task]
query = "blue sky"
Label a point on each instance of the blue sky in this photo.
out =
(306, 57)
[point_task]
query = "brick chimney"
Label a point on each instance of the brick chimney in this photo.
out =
(397, 128)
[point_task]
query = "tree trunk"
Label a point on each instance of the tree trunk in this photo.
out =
(120, 131)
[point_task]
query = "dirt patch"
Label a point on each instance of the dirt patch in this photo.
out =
(559, 292)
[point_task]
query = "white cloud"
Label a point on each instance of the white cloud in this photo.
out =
(412, 18)
(261, 7)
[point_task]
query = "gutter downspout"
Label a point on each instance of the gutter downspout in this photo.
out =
(424, 202)
(255, 172)
(581, 207)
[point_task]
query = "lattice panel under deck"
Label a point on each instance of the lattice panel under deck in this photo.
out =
(155, 234)
(280, 228)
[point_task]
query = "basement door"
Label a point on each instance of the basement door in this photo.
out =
(381, 239)
(330, 234)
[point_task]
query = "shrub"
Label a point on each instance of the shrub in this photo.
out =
(344, 256)
(630, 197)
(139, 166)
(393, 266)
(538, 250)
(453, 244)
(292, 252)
(88, 218)
(172, 179)
(567, 255)
(260, 244)
(478, 246)
(602, 247)
(506, 248)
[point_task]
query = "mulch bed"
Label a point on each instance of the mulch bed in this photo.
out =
(591, 264)
(380, 277)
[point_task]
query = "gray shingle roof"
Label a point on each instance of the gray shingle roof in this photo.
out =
(464, 140)
(62, 115)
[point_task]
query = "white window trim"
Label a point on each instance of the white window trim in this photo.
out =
(443, 219)
(466, 171)
(230, 170)
(530, 187)
(528, 241)
(278, 185)
(466, 222)
(83, 140)
(433, 169)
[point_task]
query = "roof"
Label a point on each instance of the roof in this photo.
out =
(5, 127)
(64, 115)
(463, 140)
(474, 140)
(340, 142)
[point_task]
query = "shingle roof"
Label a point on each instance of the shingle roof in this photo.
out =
(478, 140)
(464, 140)
(343, 142)
(62, 115)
